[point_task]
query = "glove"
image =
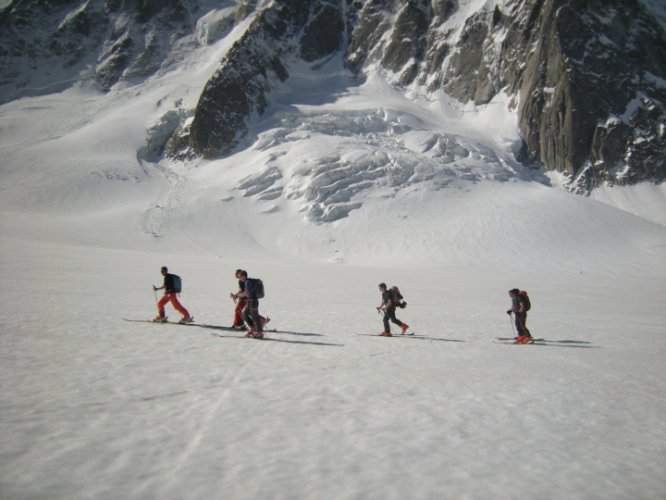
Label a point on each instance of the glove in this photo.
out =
(509, 312)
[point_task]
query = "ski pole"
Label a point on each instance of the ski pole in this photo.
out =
(513, 328)
(155, 293)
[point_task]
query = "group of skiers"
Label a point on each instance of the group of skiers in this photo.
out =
(392, 299)
(250, 290)
(246, 298)
(247, 306)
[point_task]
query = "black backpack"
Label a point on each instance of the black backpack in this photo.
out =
(258, 286)
(177, 283)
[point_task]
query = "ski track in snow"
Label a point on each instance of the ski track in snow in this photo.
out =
(201, 430)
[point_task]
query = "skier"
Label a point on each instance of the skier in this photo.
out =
(388, 306)
(251, 310)
(519, 307)
(241, 302)
(170, 295)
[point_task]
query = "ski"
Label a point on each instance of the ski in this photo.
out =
(408, 335)
(146, 321)
(162, 322)
(200, 325)
(187, 323)
(514, 338)
(581, 344)
(178, 323)
(513, 342)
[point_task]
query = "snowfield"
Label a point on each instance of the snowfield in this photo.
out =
(329, 197)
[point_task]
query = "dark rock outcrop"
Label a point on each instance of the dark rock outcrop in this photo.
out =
(256, 64)
(590, 100)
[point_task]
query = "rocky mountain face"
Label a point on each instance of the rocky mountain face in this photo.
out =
(588, 78)
(47, 45)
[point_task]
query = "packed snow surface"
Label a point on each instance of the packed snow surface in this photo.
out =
(330, 196)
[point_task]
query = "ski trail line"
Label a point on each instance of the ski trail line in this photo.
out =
(202, 426)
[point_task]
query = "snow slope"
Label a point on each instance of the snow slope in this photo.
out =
(340, 188)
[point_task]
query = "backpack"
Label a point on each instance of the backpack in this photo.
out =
(258, 286)
(522, 296)
(397, 297)
(177, 283)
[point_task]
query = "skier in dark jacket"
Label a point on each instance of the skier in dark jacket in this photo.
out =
(519, 310)
(251, 311)
(388, 305)
(241, 302)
